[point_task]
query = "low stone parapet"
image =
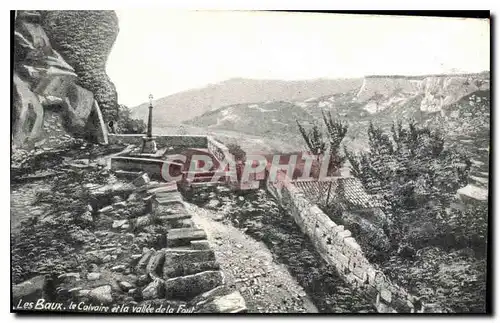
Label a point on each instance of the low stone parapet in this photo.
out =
(339, 249)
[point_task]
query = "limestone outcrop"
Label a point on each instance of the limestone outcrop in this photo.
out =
(47, 88)
(431, 92)
(85, 38)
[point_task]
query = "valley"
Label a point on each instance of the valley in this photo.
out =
(458, 105)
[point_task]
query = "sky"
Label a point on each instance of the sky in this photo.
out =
(167, 51)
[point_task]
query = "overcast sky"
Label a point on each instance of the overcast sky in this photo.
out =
(163, 52)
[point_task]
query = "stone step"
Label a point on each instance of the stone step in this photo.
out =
(171, 194)
(174, 256)
(188, 262)
(126, 174)
(144, 261)
(168, 187)
(174, 217)
(205, 184)
(191, 268)
(169, 209)
(187, 287)
(168, 198)
(200, 245)
(184, 236)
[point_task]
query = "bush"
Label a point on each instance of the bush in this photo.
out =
(236, 150)
(126, 124)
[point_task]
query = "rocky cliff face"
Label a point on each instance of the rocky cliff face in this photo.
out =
(434, 91)
(85, 39)
(54, 99)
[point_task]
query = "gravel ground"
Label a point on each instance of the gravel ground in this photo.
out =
(21, 202)
(266, 285)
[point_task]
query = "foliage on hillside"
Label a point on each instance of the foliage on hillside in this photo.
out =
(438, 249)
(410, 169)
(127, 124)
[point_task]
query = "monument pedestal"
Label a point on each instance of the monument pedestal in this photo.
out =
(148, 145)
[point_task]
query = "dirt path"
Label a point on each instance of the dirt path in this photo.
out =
(266, 285)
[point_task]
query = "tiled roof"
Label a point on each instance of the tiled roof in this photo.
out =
(347, 192)
(351, 193)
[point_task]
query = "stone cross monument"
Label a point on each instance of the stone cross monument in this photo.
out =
(148, 142)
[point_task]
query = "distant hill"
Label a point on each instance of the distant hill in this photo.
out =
(264, 119)
(458, 105)
(174, 109)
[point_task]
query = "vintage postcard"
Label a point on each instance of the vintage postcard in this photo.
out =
(178, 162)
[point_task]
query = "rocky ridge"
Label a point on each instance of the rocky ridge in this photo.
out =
(45, 84)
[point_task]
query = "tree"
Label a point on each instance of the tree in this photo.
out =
(126, 124)
(236, 150)
(313, 138)
(413, 172)
(336, 131)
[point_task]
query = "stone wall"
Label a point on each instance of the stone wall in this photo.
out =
(339, 249)
(161, 141)
(221, 152)
(152, 166)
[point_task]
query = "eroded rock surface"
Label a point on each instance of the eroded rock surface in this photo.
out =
(45, 84)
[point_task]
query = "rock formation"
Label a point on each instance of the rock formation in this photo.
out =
(436, 91)
(52, 98)
(85, 39)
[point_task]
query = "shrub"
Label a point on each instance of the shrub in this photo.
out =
(126, 124)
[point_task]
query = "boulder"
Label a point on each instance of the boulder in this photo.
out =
(101, 294)
(83, 293)
(155, 263)
(93, 276)
(87, 217)
(125, 286)
(153, 290)
(27, 113)
(231, 303)
(141, 265)
(29, 290)
(143, 221)
(119, 224)
(187, 287)
(118, 268)
(142, 180)
(210, 295)
(68, 277)
(143, 280)
(106, 209)
(86, 46)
